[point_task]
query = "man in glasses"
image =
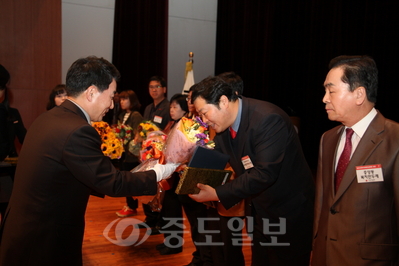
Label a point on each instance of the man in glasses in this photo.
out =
(158, 111)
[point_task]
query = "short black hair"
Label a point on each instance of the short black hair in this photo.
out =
(236, 82)
(211, 89)
(4, 77)
(89, 71)
(159, 79)
(181, 100)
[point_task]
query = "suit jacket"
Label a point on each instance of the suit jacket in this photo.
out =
(280, 183)
(11, 127)
(60, 163)
(358, 225)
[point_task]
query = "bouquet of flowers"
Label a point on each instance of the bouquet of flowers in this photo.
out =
(148, 144)
(147, 127)
(152, 146)
(150, 154)
(177, 148)
(111, 146)
(144, 129)
(184, 137)
(123, 132)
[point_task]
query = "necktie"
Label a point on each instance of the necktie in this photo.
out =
(232, 133)
(344, 159)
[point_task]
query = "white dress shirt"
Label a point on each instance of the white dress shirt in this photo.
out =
(359, 128)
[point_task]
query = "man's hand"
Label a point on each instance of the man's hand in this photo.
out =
(181, 168)
(207, 193)
(164, 171)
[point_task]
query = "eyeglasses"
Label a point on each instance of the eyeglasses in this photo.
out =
(154, 87)
(188, 99)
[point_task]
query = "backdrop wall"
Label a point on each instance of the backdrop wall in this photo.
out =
(281, 49)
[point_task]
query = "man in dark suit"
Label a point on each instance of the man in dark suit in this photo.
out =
(59, 165)
(272, 173)
(357, 208)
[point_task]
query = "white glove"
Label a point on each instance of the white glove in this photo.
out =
(164, 171)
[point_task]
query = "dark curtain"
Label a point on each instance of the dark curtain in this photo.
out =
(281, 49)
(140, 44)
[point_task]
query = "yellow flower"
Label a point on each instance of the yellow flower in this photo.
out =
(146, 127)
(111, 146)
(196, 131)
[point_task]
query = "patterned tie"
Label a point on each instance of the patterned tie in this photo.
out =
(344, 159)
(232, 133)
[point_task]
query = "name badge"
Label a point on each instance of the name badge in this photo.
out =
(158, 119)
(369, 173)
(246, 161)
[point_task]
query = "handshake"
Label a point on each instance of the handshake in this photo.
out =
(164, 171)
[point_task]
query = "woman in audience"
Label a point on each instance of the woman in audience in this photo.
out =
(57, 96)
(130, 105)
(11, 128)
(171, 208)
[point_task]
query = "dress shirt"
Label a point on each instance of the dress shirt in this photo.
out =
(84, 112)
(235, 126)
(359, 128)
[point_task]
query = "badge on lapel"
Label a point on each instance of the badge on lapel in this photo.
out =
(246, 161)
(369, 173)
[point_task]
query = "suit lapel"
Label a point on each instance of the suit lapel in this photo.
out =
(244, 125)
(329, 157)
(237, 151)
(367, 145)
(242, 134)
(74, 108)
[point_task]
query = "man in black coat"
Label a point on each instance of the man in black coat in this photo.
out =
(272, 173)
(10, 120)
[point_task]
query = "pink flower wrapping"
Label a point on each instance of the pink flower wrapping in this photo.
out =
(184, 137)
(178, 149)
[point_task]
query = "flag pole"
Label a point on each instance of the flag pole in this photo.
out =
(189, 74)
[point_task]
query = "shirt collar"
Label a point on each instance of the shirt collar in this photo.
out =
(84, 112)
(156, 106)
(236, 123)
(361, 126)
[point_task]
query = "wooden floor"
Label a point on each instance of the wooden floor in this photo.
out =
(98, 250)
